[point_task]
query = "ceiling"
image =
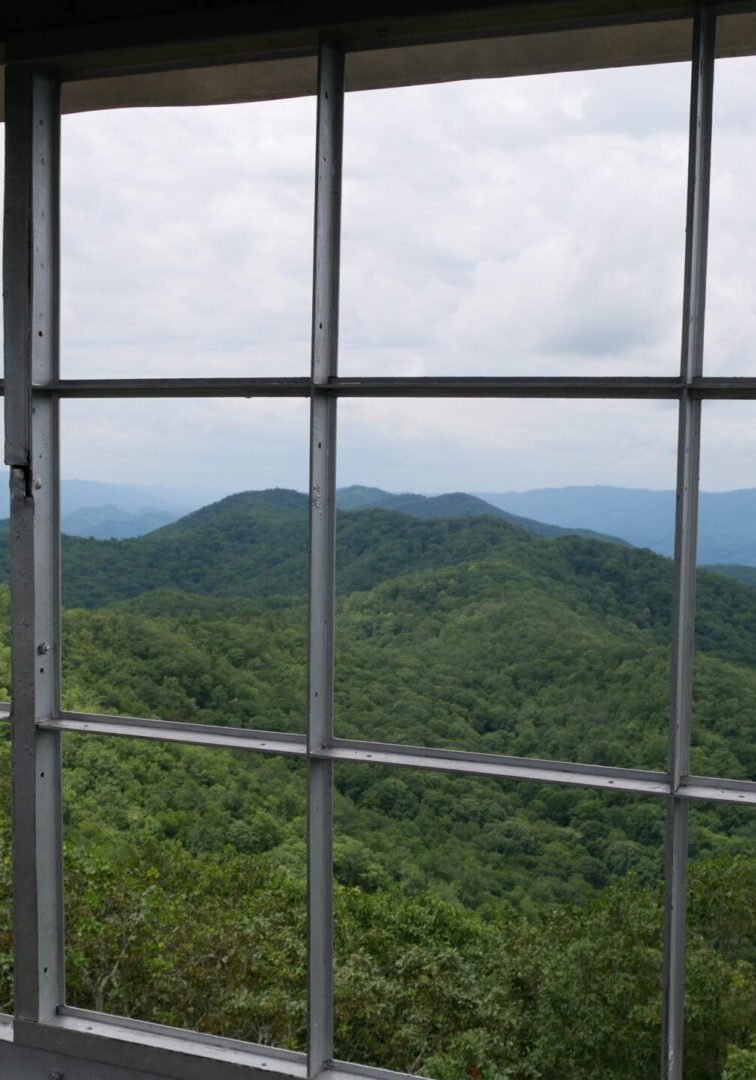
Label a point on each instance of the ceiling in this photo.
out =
(122, 53)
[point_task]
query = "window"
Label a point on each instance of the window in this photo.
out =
(34, 388)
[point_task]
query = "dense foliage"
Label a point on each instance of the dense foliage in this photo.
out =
(494, 930)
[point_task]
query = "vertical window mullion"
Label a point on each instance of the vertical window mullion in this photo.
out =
(686, 523)
(31, 287)
(323, 554)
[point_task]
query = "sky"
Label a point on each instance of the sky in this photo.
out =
(512, 226)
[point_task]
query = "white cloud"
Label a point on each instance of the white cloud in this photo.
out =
(531, 225)
(467, 444)
(731, 290)
(517, 225)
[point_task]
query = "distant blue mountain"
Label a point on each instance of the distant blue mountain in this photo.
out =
(726, 531)
(112, 523)
(455, 504)
(131, 498)
(116, 511)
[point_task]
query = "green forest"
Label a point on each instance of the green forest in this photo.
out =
(497, 930)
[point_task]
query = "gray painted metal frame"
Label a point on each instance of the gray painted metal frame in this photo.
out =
(45, 1030)
(688, 460)
(629, 387)
(325, 329)
(31, 450)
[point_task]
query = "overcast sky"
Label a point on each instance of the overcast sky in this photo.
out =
(521, 226)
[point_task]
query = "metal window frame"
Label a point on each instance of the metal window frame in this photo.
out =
(44, 1029)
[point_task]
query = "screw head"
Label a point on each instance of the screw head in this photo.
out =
(56, 1074)
(43, 648)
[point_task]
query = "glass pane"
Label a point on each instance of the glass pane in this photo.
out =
(731, 287)
(469, 620)
(185, 890)
(519, 226)
(720, 992)
(724, 688)
(185, 560)
(495, 929)
(187, 240)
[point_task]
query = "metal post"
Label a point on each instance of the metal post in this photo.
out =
(322, 555)
(31, 290)
(685, 544)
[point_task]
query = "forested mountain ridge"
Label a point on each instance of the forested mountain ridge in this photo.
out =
(255, 545)
(476, 919)
(746, 575)
(451, 505)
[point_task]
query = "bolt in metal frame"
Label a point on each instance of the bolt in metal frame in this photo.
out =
(33, 388)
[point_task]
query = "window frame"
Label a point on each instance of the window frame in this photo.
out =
(33, 389)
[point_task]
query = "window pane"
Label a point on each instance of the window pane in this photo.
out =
(496, 929)
(185, 560)
(185, 894)
(724, 690)
(731, 287)
(520, 226)
(469, 620)
(720, 993)
(187, 240)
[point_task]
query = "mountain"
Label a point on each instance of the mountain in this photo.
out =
(746, 575)
(453, 505)
(465, 632)
(112, 523)
(132, 498)
(727, 521)
(254, 546)
(79, 495)
(482, 914)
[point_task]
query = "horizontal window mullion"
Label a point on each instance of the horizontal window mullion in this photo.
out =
(272, 742)
(509, 386)
(498, 765)
(717, 388)
(711, 789)
(154, 1048)
(176, 388)
(545, 770)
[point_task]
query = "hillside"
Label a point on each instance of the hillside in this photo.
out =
(478, 628)
(746, 575)
(452, 505)
(483, 915)
(254, 546)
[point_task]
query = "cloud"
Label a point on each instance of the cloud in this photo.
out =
(187, 239)
(731, 288)
(515, 226)
(503, 445)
